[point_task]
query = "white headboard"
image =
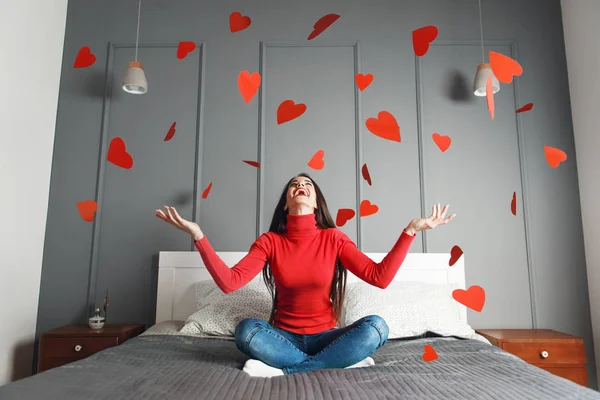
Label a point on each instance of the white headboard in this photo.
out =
(178, 271)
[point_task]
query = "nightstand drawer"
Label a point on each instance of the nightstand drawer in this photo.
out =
(547, 352)
(76, 347)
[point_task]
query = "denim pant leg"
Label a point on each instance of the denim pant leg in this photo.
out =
(344, 346)
(275, 347)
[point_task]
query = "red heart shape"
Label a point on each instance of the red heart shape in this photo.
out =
(504, 67)
(253, 163)
(554, 156)
(455, 253)
(343, 216)
(489, 96)
(365, 174)
(443, 142)
(429, 353)
(513, 204)
(317, 162)
(288, 111)
(206, 191)
(171, 133)
(184, 48)
(384, 126)
(473, 297)
(362, 81)
(87, 209)
(238, 22)
(322, 24)
(248, 85)
(525, 108)
(422, 38)
(84, 58)
(118, 155)
(366, 208)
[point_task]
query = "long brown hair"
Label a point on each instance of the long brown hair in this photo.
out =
(324, 221)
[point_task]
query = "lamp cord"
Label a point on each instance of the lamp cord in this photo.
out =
(481, 30)
(138, 28)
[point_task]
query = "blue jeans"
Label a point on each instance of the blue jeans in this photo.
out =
(292, 352)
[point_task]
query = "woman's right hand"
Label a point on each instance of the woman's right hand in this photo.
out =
(172, 217)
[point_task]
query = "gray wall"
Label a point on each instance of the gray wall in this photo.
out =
(531, 265)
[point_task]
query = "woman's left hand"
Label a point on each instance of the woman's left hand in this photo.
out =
(435, 219)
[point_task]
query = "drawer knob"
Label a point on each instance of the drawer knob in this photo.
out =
(78, 348)
(544, 354)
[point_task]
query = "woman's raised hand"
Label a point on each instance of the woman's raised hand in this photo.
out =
(437, 217)
(171, 216)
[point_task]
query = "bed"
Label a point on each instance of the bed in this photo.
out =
(167, 362)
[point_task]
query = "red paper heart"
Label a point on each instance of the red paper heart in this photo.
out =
(363, 81)
(343, 216)
(84, 58)
(87, 209)
(118, 155)
(206, 191)
(317, 162)
(322, 24)
(429, 353)
(288, 111)
(525, 108)
(455, 253)
(554, 156)
(238, 22)
(365, 174)
(473, 297)
(443, 142)
(184, 49)
(171, 133)
(422, 38)
(513, 204)
(504, 67)
(253, 163)
(489, 96)
(248, 85)
(384, 126)
(366, 208)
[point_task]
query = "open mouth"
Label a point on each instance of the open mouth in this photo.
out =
(301, 192)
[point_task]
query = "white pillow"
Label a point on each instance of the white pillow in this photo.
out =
(218, 313)
(408, 308)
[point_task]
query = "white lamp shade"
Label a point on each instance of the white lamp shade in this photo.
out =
(481, 77)
(135, 79)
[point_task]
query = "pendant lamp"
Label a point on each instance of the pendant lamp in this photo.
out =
(135, 78)
(484, 70)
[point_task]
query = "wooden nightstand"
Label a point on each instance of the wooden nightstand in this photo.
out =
(556, 352)
(73, 342)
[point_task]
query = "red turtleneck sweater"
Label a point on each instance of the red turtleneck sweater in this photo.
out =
(303, 262)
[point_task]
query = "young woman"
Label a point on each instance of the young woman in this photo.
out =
(305, 259)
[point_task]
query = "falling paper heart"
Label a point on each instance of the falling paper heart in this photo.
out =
(184, 48)
(366, 208)
(365, 174)
(322, 24)
(429, 353)
(84, 58)
(422, 38)
(87, 209)
(206, 191)
(473, 297)
(384, 126)
(171, 132)
(288, 111)
(253, 163)
(513, 204)
(504, 67)
(443, 142)
(363, 81)
(455, 253)
(118, 155)
(489, 96)
(344, 215)
(554, 156)
(248, 85)
(238, 22)
(317, 162)
(526, 107)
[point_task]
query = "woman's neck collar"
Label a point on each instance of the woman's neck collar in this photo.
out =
(301, 225)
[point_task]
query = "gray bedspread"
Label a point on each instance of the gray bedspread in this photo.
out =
(178, 367)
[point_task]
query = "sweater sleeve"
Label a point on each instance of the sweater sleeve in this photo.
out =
(231, 279)
(378, 274)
